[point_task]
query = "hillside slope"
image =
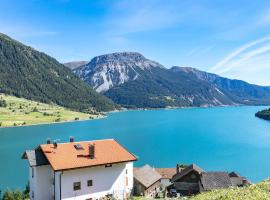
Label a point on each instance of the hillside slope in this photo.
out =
(25, 72)
(259, 191)
(20, 112)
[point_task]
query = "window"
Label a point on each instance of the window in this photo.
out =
(108, 165)
(90, 183)
(126, 181)
(126, 171)
(32, 172)
(76, 186)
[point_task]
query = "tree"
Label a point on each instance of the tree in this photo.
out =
(16, 194)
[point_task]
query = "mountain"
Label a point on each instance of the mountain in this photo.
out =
(134, 81)
(75, 64)
(130, 79)
(107, 71)
(238, 91)
(25, 72)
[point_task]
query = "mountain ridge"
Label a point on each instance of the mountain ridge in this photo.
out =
(131, 80)
(74, 64)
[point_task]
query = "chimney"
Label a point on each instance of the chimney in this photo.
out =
(71, 139)
(177, 169)
(48, 140)
(55, 144)
(91, 151)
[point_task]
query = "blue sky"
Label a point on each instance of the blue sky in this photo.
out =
(227, 37)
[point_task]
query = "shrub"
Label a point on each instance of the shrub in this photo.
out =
(3, 103)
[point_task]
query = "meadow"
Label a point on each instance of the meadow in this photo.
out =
(19, 112)
(259, 191)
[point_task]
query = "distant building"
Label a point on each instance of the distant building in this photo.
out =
(80, 170)
(146, 182)
(192, 180)
(166, 175)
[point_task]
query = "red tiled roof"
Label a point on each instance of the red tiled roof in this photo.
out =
(65, 156)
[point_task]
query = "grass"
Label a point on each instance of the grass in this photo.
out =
(19, 112)
(259, 191)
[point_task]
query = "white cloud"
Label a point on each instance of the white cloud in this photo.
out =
(222, 64)
(247, 62)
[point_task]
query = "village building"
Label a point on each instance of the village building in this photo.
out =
(166, 175)
(80, 170)
(192, 180)
(146, 182)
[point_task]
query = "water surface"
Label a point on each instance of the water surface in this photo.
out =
(225, 139)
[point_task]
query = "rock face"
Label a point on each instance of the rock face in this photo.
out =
(106, 71)
(134, 81)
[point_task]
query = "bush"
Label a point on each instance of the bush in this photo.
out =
(77, 118)
(3, 103)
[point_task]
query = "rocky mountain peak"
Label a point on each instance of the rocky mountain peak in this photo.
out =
(105, 71)
(125, 58)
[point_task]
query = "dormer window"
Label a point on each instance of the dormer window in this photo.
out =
(78, 147)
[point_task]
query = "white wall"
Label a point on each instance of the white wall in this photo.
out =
(111, 180)
(41, 184)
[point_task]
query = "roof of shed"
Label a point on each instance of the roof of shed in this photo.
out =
(215, 180)
(146, 175)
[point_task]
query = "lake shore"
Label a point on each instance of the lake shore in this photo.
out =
(101, 116)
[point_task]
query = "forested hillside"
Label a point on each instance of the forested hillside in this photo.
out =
(263, 114)
(25, 72)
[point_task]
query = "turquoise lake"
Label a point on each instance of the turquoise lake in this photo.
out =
(225, 138)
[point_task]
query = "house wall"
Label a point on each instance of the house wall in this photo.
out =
(116, 180)
(189, 184)
(138, 188)
(41, 182)
(153, 190)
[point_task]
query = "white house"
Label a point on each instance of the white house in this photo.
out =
(80, 170)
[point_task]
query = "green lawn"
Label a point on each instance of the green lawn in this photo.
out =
(19, 111)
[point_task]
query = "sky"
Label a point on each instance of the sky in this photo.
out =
(227, 37)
